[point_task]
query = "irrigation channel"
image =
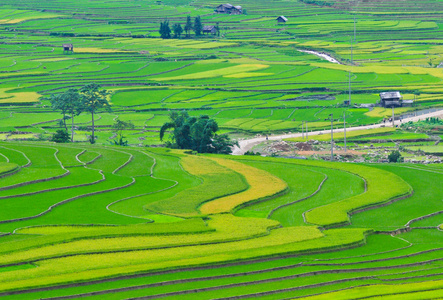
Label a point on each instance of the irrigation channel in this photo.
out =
(322, 55)
(248, 144)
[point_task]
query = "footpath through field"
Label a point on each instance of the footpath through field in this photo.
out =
(248, 144)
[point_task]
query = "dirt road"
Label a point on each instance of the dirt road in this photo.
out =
(248, 144)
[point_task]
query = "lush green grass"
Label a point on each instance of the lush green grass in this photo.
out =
(210, 173)
(302, 183)
(424, 201)
(250, 79)
(337, 212)
(235, 72)
(376, 193)
(6, 168)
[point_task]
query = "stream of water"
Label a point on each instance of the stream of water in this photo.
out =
(322, 55)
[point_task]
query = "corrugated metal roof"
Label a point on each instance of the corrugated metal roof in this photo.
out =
(390, 95)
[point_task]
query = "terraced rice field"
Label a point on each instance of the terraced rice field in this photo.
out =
(251, 79)
(80, 221)
(94, 222)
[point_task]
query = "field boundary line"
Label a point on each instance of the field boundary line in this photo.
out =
(340, 224)
(57, 189)
(77, 157)
(302, 199)
(184, 269)
(423, 217)
(11, 172)
(431, 171)
(67, 172)
(66, 201)
(27, 158)
(159, 191)
(7, 159)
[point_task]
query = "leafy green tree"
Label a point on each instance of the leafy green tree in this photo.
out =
(202, 132)
(58, 104)
(395, 156)
(178, 30)
(198, 134)
(165, 31)
(181, 123)
(60, 136)
(198, 26)
(118, 127)
(222, 144)
(74, 106)
(188, 26)
(68, 102)
(93, 98)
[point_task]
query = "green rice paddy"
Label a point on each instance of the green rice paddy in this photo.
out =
(106, 230)
(108, 222)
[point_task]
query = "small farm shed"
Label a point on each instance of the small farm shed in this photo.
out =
(209, 29)
(229, 9)
(68, 48)
(391, 99)
(237, 10)
(282, 19)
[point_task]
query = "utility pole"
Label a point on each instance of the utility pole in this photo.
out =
(352, 53)
(393, 117)
(331, 117)
(349, 73)
(344, 123)
(306, 122)
(302, 133)
(355, 31)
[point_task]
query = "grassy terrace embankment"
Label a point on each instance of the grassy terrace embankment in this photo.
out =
(106, 244)
(97, 221)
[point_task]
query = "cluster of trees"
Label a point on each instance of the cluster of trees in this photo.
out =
(177, 29)
(73, 102)
(195, 133)
(318, 2)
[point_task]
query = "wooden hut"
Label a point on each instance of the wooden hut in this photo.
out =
(282, 19)
(224, 8)
(236, 10)
(209, 29)
(229, 9)
(68, 48)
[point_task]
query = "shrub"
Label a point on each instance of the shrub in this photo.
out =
(395, 156)
(252, 153)
(61, 136)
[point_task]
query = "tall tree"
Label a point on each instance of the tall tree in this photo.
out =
(74, 106)
(188, 26)
(198, 26)
(58, 104)
(93, 98)
(178, 30)
(165, 31)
